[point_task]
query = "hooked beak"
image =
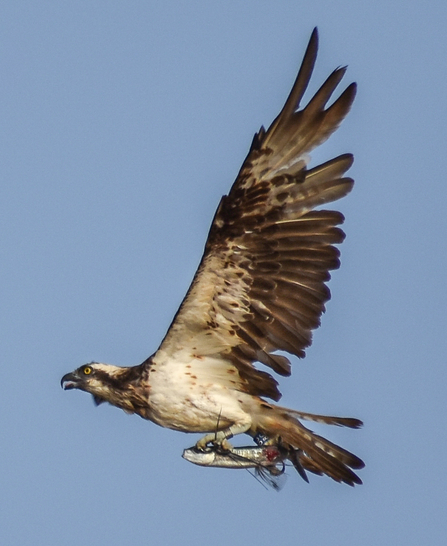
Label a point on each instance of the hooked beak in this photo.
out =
(70, 381)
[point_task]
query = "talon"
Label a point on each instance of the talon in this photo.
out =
(218, 442)
(224, 445)
(202, 444)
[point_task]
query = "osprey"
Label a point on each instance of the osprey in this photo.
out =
(260, 288)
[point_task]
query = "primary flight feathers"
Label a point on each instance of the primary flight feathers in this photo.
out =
(260, 286)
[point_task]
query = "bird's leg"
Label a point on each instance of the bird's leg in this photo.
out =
(261, 439)
(221, 437)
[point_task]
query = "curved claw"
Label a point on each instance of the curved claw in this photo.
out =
(215, 439)
(220, 438)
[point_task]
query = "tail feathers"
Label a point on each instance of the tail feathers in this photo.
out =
(309, 451)
(350, 422)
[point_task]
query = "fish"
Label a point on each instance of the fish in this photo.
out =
(266, 460)
(270, 457)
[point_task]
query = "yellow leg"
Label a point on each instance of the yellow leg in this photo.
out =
(220, 438)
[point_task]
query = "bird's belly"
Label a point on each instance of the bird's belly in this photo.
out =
(187, 416)
(192, 403)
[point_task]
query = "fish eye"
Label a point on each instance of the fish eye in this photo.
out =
(87, 370)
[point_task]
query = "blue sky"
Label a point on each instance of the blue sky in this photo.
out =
(122, 124)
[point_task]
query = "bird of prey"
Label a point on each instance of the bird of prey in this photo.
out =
(260, 289)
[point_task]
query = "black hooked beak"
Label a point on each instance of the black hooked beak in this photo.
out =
(69, 381)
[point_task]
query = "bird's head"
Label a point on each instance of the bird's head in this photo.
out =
(106, 383)
(100, 380)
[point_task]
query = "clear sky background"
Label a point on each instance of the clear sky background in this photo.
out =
(122, 123)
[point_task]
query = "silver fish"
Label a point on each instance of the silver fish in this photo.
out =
(270, 457)
(267, 461)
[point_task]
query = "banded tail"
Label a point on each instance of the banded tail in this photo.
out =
(307, 450)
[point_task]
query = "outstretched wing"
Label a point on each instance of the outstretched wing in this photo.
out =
(260, 287)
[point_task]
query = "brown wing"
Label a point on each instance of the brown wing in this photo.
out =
(260, 287)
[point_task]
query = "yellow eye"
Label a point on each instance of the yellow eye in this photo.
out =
(87, 370)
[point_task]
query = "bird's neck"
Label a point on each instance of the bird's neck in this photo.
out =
(125, 387)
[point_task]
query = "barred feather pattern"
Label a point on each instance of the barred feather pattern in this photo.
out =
(261, 285)
(307, 450)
